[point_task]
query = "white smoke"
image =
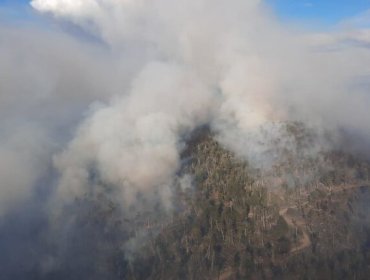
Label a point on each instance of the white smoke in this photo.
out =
(134, 142)
(117, 106)
(23, 160)
(228, 62)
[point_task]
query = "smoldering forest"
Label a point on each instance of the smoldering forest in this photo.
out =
(100, 101)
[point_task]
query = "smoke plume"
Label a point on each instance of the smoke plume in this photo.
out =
(111, 108)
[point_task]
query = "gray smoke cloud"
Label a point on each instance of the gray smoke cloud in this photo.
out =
(113, 107)
(227, 63)
(119, 105)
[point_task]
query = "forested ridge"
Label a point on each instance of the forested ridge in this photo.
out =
(239, 223)
(305, 218)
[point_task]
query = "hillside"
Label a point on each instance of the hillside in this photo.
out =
(305, 218)
(237, 225)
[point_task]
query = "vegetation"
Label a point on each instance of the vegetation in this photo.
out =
(237, 225)
(305, 218)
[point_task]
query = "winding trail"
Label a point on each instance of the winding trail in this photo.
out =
(226, 274)
(349, 187)
(296, 223)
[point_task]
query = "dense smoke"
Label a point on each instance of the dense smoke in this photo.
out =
(113, 107)
(229, 64)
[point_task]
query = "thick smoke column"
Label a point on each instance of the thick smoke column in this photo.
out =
(134, 142)
(227, 63)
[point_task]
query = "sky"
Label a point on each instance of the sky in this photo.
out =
(323, 12)
(16, 11)
(315, 13)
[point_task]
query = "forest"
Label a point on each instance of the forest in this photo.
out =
(234, 221)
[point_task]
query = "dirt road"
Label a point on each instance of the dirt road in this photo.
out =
(296, 223)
